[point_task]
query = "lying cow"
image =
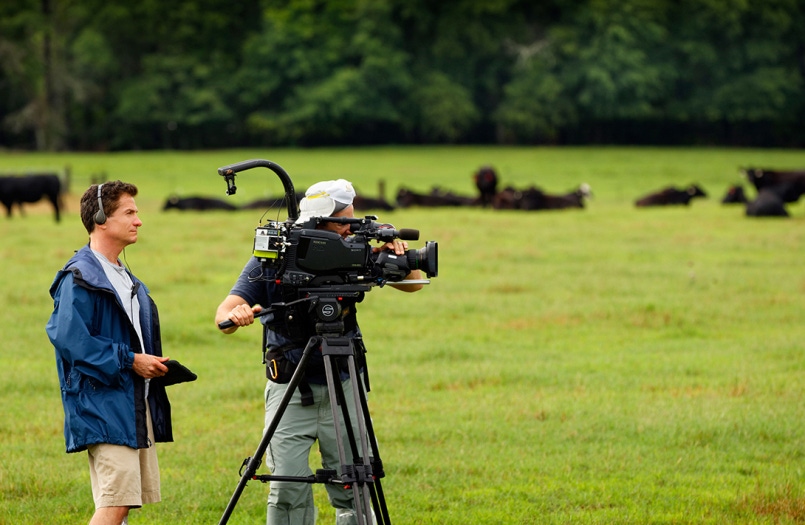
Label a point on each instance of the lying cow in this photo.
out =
(371, 203)
(671, 196)
(31, 188)
(574, 199)
(735, 195)
(437, 197)
(766, 204)
(197, 204)
(535, 199)
(361, 202)
(486, 180)
(788, 184)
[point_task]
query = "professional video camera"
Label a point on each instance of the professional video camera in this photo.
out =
(306, 257)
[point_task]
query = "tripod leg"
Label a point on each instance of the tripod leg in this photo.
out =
(378, 498)
(350, 472)
(376, 489)
(256, 459)
(362, 416)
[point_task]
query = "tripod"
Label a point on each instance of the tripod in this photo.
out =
(363, 475)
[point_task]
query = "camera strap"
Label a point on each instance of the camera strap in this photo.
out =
(306, 392)
(360, 351)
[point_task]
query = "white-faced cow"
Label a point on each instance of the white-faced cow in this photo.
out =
(766, 204)
(788, 184)
(31, 188)
(671, 196)
(197, 204)
(486, 180)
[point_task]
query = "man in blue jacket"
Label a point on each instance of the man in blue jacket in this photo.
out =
(105, 330)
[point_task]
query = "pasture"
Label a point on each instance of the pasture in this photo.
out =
(597, 366)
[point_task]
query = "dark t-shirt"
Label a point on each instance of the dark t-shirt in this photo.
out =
(256, 285)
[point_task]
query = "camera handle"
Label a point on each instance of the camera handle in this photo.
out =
(228, 173)
(228, 322)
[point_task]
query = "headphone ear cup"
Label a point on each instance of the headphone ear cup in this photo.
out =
(100, 216)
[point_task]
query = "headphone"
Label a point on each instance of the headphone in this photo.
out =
(100, 216)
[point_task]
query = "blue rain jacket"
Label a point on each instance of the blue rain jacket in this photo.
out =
(95, 342)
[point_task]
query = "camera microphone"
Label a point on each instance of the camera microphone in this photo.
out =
(408, 234)
(388, 234)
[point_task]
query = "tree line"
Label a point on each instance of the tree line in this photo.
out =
(189, 74)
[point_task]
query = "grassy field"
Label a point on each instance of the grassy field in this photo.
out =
(600, 366)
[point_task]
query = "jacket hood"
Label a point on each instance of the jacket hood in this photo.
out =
(88, 272)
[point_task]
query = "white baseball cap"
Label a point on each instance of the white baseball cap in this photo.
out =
(325, 198)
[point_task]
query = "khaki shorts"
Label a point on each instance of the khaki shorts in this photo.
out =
(123, 476)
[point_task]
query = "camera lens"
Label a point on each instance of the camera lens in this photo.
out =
(425, 259)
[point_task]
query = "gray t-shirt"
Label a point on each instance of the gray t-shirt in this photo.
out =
(124, 287)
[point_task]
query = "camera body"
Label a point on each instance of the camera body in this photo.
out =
(306, 257)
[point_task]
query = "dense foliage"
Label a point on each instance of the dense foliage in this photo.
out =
(112, 74)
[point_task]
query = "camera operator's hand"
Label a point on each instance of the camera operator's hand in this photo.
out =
(397, 246)
(234, 308)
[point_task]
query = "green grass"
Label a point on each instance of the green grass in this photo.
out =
(610, 365)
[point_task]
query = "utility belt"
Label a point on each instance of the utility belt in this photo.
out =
(280, 369)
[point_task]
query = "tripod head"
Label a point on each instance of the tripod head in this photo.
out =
(324, 302)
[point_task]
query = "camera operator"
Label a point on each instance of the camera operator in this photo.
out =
(305, 420)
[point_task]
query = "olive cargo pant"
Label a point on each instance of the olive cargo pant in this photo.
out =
(291, 503)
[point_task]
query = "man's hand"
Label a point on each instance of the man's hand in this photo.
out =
(149, 366)
(397, 246)
(234, 308)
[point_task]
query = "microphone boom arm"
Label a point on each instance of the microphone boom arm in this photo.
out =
(228, 173)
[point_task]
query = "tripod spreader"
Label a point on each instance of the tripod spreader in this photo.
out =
(324, 476)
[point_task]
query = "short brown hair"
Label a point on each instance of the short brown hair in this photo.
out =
(110, 195)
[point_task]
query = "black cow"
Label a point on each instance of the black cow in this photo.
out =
(197, 204)
(735, 195)
(486, 180)
(535, 199)
(671, 196)
(788, 184)
(509, 198)
(371, 203)
(436, 197)
(31, 188)
(767, 204)
(361, 202)
(574, 199)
